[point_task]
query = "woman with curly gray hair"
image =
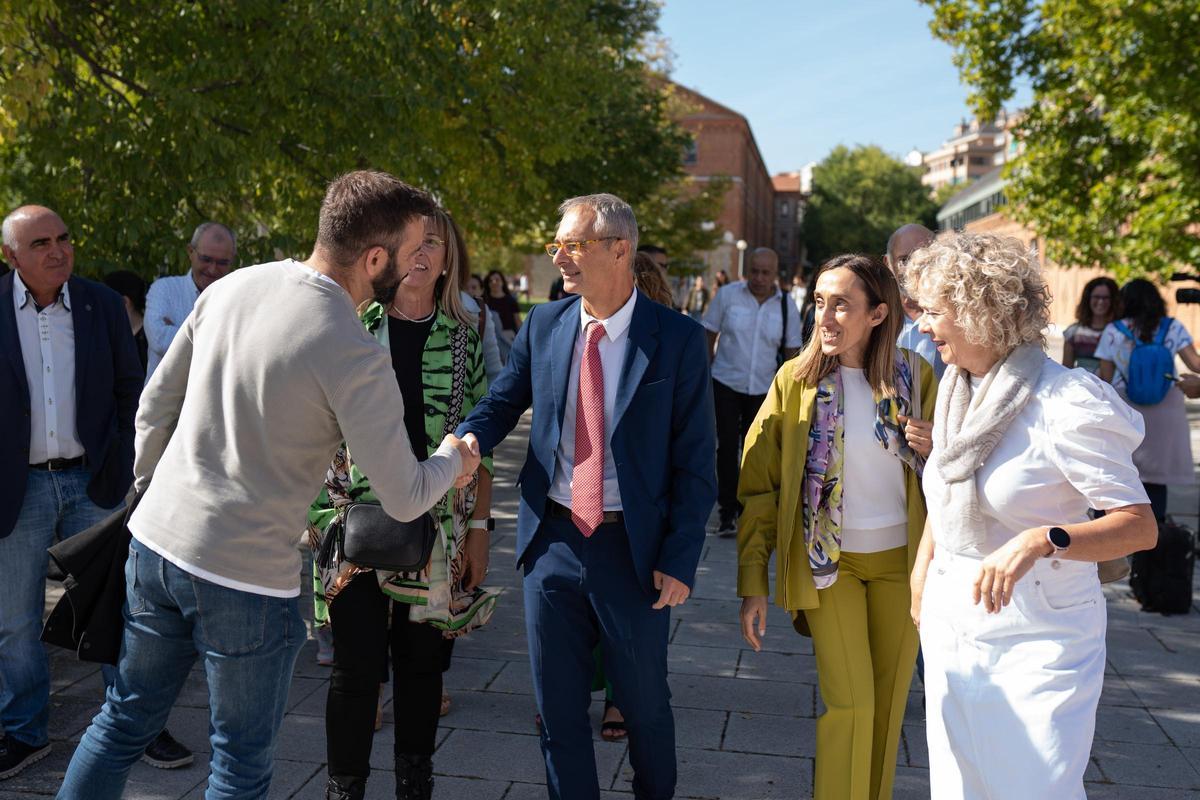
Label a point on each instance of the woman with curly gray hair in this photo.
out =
(1005, 590)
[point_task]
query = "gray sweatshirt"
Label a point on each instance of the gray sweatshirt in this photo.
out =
(267, 376)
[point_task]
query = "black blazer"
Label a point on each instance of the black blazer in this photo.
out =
(108, 382)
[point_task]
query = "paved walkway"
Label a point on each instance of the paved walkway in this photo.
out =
(746, 721)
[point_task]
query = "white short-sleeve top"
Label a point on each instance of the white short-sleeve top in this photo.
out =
(1116, 347)
(1070, 449)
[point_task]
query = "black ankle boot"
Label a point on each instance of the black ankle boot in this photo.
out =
(344, 787)
(414, 777)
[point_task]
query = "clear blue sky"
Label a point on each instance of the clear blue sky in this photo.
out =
(810, 75)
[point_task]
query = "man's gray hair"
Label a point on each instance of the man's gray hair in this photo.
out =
(7, 234)
(613, 217)
(204, 228)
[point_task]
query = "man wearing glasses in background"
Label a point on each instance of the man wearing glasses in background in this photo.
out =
(212, 251)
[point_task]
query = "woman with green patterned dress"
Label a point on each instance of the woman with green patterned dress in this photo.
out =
(439, 365)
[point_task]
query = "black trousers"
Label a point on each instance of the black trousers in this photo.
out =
(735, 412)
(361, 639)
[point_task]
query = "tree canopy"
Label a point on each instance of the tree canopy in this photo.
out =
(136, 120)
(1110, 168)
(860, 196)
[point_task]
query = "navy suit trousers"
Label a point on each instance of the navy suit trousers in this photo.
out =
(579, 592)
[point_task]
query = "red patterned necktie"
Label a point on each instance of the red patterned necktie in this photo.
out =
(587, 480)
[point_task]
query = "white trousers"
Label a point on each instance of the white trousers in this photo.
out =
(1010, 698)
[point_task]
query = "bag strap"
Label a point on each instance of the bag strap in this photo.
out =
(783, 301)
(1164, 328)
(1123, 328)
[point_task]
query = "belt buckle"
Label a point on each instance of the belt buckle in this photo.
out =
(50, 465)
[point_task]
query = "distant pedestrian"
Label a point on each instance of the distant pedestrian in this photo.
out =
(900, 246)
(68, 395)
(132, 289)
(697, 299)
(832, 477)
(500, 299)
(720, 279)
(212, 252)
(746, 323)
(234, 436)
(798, 290)
(1099, 305)
(651, 280)
(1164, 457)
(1005, 589)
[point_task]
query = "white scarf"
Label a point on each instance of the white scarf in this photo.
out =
(967, 428)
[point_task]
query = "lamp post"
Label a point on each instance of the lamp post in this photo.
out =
(741, 247)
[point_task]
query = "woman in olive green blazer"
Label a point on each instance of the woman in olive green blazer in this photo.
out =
(830, 481)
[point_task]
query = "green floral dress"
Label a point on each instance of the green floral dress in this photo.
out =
(454, 380)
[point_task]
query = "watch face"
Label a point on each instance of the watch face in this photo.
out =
(1059, 538)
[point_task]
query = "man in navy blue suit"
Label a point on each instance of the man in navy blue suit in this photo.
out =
(70, 377)
(616, 490)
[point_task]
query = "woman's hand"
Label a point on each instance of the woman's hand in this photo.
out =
(1001, 570)
(475, 557)
(754, 620)
(917, 587)
(919, 433)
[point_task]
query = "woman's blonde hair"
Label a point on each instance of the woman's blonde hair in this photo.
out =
(648, 277)
(992, 284)
(880, 287)
(457, 265)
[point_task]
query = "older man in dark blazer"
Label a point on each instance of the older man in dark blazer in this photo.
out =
(616, 489)
(69, 384)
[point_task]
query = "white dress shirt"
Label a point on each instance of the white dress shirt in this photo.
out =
(169, 298)
(47, 340)
(612, 359)
(746, 359)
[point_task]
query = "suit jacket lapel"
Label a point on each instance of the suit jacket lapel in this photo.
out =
(10, 340)
(639, 349)
(83, 316)
(562, 350)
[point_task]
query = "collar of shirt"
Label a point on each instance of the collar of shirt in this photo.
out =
(22, 296)
(775, 295)
(615, 325)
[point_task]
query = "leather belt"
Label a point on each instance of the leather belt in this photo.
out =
(59, 464)
(556, 509)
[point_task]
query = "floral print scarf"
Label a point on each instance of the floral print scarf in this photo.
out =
(822, 488)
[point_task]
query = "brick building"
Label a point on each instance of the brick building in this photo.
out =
(723, 144)
(789, 217)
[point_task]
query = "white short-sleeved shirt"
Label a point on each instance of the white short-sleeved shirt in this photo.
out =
(750, 332)
(1116, 347)
(1069, 450)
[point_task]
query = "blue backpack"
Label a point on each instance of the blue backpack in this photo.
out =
(1151, 366)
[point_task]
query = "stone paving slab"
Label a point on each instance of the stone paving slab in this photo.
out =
(746, 721)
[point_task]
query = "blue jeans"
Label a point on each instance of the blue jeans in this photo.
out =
(56, 506)
(248, 642)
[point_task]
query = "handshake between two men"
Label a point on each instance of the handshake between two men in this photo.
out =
(468, 451)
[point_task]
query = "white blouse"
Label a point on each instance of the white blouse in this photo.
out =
(1070, 449)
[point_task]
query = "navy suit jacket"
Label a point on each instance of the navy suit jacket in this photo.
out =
(108, 382)
(663, 443)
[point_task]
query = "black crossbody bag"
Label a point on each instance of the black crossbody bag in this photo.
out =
(369, 538)
(780, 357)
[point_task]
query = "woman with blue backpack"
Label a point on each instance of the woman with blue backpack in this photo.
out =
(1137, 355)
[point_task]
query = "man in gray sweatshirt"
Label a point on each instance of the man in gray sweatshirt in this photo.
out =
(235, 432)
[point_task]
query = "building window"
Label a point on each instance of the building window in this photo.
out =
(978, 160)
(689, 153)
(783, 208)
